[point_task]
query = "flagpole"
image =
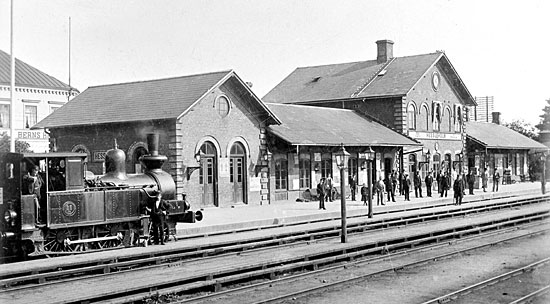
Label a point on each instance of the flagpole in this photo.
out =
(12, 87)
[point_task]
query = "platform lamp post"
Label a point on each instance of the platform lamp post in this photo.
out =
(543, 156)
(370, 157)
(342, 157)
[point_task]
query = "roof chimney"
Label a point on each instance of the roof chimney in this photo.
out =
(496, 117)
(385, 50)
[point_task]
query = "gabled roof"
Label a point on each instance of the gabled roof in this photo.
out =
(308, 125)
(28, 76)
(495, 136)
(364, 79)
(137, 101)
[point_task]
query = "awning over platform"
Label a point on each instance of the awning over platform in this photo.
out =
(494, 136)
(320, 126)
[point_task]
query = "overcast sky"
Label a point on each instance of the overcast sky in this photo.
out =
(499, 48)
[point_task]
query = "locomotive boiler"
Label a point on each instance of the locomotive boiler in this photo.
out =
(77, 212)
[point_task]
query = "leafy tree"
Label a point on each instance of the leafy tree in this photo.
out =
(545, 118)
(523, 127)
(20, 146)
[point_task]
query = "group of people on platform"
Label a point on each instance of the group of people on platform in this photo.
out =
(401, 183)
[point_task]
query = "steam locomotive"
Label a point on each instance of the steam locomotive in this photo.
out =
(76, 211)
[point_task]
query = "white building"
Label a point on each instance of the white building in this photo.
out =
(37, 94)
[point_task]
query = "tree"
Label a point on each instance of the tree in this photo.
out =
(523, 127)
(20, 146)
(545, 118)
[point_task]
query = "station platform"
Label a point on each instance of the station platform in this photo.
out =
(247, 217)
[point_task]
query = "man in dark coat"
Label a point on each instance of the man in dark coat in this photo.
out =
(429, 180)
(364, 194)
(445, 183)
(471, 181)
(406, 186)
(321, 193)
(159, 209)
(379, 187)
(389, 188)
(496, 180)
(458, 188)
(417, 184)
(394, 177)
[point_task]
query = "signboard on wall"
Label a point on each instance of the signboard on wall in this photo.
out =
(25, 134)
(224, 167)
(435, 135)
(98, 156)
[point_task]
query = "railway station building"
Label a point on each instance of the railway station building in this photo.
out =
(224, 145)
(421, 96)
(37, 94)
(498, 148)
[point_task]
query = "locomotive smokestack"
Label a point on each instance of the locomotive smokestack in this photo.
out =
(153, 144)
(153, 160)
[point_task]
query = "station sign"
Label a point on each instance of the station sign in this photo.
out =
(435, 135)
(25, 134)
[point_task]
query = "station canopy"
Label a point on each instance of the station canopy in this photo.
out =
(494, 136)
(321, 126)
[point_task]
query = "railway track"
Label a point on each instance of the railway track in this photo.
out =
(204, 273)
(491, 290)
(134, 259)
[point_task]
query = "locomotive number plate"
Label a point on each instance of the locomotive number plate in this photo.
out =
(69, 208)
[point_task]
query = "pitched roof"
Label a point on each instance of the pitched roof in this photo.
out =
(361, 79)
(309, 125)
(134, 101)
(27, 75)
(496, 136)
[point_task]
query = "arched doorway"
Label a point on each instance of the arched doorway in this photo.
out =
(412, 164)
(237, 177)
(208, 175)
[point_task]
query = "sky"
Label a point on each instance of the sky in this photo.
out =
(498, 48)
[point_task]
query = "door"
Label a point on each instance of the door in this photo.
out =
(236, 173)
(208, 178)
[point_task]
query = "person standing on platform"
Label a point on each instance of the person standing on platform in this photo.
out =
(401, 178)
(406, 186)
(458, 188)
(158, 215)
(471, 181)
(429, 181)
(417, 184)
(353, 186)
(328, 189)
(364, 194)
(484, 179)
(496, 180)
(321, 193)
(389, 188)
(380, 188)
(394, 177)
(445, 183)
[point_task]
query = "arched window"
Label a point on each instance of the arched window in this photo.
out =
(458, 119)
(436, 164)
(305, 171)
(236, 163)
(281, 174)
(424, 118)
(411, 117)
(138, 152)
(449, 120)
(436, 118)
(209, 152)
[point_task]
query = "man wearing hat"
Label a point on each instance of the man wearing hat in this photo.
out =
(158, 212)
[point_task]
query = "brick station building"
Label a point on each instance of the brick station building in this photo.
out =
(214, 115)
(421, 96)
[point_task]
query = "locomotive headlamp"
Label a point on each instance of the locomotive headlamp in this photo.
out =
(9, 216)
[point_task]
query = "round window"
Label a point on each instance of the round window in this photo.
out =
(222, 106)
